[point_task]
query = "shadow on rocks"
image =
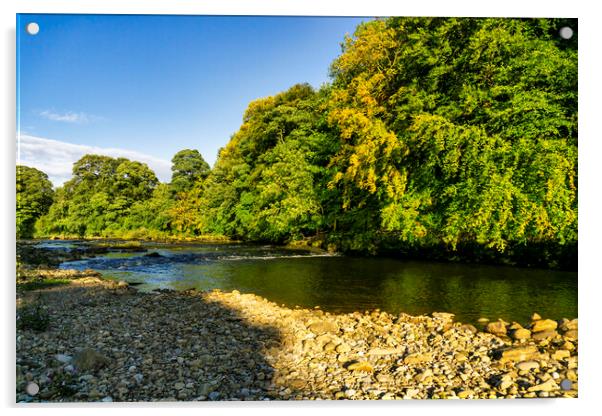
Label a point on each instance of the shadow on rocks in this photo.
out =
(108, 344)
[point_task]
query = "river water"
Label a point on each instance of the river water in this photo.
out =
(340, 283)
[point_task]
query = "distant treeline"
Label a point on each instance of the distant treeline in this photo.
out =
(436, 135)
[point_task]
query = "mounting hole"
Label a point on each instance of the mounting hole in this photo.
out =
(32, 389)
(32, 28)
(566, 32)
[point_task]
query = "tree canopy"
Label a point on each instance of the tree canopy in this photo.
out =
(34, 197)
(457, 130)
(99, 197)
(188, 167)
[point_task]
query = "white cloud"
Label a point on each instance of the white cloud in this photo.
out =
(56, 158)
(69, 117)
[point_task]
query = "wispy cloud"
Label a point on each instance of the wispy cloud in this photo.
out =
(69, 117)
(56, 158)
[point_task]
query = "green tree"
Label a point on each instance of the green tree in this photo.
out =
(34, 197)
(264, 184)
(188, 167)
(98, 200)
(457, 131)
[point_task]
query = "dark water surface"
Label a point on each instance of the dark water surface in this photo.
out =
(343, 284)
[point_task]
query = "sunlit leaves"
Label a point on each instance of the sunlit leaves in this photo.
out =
(34, 196)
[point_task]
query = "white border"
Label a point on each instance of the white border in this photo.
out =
(589, 158)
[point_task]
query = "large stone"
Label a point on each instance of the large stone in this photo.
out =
(561, 355)
(343, 348)
(469, 328)
(385, 351)
(572, 334)
(524, 353)
(364, 366)
(520, 334)
(549, 385)
(63, 358)
(544, 325)
(444, 316)
(569, 325)
(496, 328)
(527, 365)
(321, 327)
(465, 394)
(90, 360)
(542, 335)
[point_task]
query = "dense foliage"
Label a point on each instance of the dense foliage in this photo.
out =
(100, 197)
(34, 197)
(188, 167)
(457, 130)
(435, 134)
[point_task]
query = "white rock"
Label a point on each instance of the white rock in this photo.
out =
(63, 358)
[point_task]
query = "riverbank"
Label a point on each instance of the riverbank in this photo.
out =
(105, 341)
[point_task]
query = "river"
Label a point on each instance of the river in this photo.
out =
(339, 283)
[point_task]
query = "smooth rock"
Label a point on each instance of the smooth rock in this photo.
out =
(549, 385)
(496, 328)
(521, 333)
(465, 394)
(544, 335)
(569, 325)
(63, 358)
(343, 348)
(469, 327)
(443, 316)
(384, 351)
(320, 327)
(544, 325)
(561, 355)
(418, 358)
(360, 366)
(527, 365)
(523, 353)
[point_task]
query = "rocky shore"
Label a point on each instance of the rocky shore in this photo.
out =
(105, 341)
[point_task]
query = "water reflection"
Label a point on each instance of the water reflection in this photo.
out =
(343, 284)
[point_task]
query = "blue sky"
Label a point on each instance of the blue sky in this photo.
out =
(148, 86)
